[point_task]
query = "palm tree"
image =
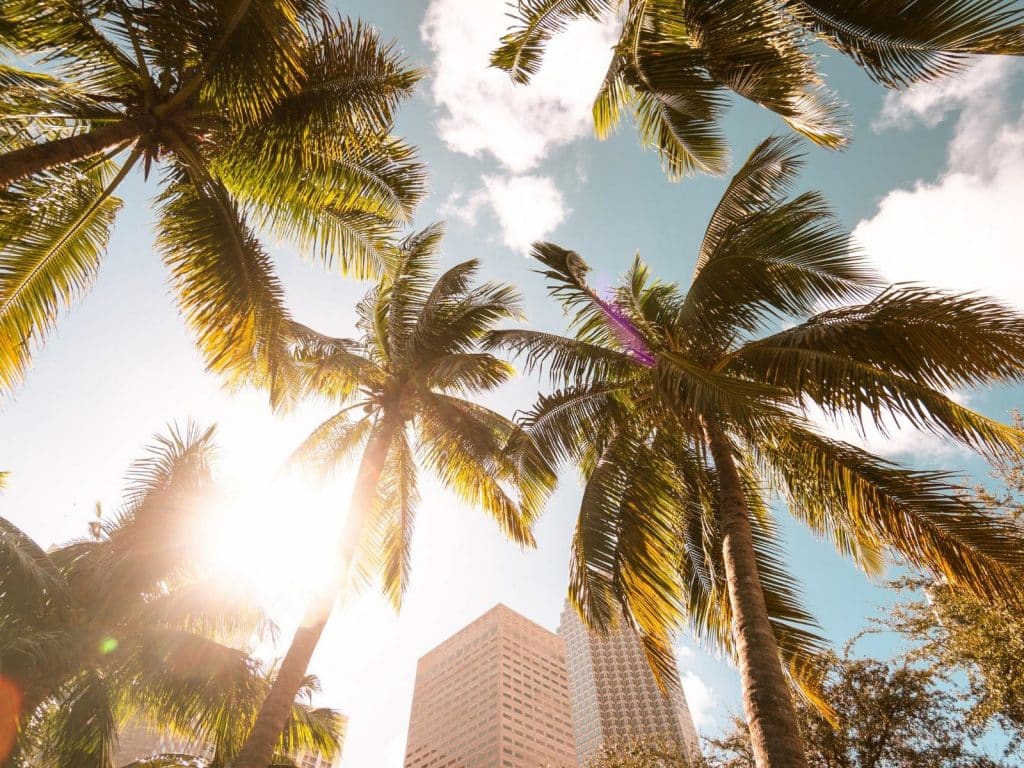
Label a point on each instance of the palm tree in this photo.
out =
(675, 60)
(122, 624)
(683, 417)
(264, 113)
(402, 389)
(317, 729)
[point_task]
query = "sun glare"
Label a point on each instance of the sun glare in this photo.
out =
(275, 538)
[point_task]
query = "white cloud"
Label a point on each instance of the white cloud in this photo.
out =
(928, 103)
(700, 700)
(894, 441)
(483, 111)
(961, 231)
(528, 208)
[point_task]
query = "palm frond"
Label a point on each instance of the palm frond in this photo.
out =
(905, 42)
(565, 359)
(332, 444)
(466, 453)
(226, 287)
(29, 579)
(82, 731)
(538, 20)
(926, 519)
(785, 259)
(53, 233)
(936, 339)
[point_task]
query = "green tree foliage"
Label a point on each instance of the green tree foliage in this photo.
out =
(683, 410)
(406, 390)
(259, 114)
(951, 629)
(676, 60)
(125, 624)
(648, 752)
(890, 715)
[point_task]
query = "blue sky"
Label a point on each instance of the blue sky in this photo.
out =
(932, 186)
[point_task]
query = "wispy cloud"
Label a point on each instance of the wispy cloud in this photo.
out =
(483, 112)
(527, 207)
(700, 699)
(961, 230)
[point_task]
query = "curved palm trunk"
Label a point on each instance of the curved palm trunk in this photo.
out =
(266, 731)
(19, 163)
(767, 703)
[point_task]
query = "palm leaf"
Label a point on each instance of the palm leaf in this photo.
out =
(52, 237)
(226, 287)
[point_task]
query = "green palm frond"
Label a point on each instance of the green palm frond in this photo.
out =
(394, 517)
(464, 452)
(28, 577)
(902, 43)
(939, 340)
(565, 359)
(921, 515)
(332, 444)
(82, 731)
(227, 288)
(53, 232)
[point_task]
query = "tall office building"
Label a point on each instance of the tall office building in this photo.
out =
(614, 693)
(494, 695)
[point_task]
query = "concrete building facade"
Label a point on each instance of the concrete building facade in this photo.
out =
(613, 692)
(494, 695)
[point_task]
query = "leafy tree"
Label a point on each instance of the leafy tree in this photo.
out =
(676, 60)
(953, 630)
(640, 753)
(404, 389)
(683, 410)
(123, 624)
(259, 113)
(890, 715)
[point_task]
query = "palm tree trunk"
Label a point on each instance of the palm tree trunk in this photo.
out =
(19, 163)
(767, 703)
(266, 731)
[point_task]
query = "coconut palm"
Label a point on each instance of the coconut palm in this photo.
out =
(675, 60)
(402, 387)
(121, 624)
(259, 113)
(685, 410)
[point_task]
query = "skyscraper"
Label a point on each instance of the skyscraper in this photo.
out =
(494, 695)
(614, 693)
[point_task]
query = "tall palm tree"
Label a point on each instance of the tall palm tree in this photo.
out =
(402, 387)
(123, 624)
(683, 417)
(675, 60)
(260, 113)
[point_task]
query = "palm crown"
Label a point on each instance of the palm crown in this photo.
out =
(675, 59)
(683, 418)
(407, 379)
(260, 112)
(125, 624)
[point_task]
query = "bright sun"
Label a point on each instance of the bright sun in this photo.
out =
(275, 537)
